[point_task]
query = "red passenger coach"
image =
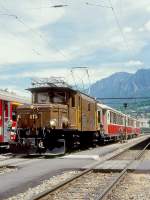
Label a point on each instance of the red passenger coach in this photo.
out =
(8, 104)
(117, 124)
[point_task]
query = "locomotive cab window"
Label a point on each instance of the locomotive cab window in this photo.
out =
(89, 106)
(79, 101)
(43, 97)
(59, 97)
(99, 116)
(73, 101)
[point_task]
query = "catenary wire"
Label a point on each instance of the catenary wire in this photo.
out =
(30, 29)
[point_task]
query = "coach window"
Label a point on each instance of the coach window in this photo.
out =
(14, 115)
(121, 120)
(115, 118)
(111, 117)
(138, 124)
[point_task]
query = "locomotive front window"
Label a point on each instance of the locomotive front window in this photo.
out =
(43, 97)
(59, 97)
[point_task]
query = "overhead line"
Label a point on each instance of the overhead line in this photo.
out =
(99, 5)
(103, 98)
(118, 24)
(29, 28)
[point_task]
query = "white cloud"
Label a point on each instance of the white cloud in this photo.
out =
(148, 8)
(90, 29)
(147, 26)
(127, 29)
(21, 39)
(25, 41)
(134, 63)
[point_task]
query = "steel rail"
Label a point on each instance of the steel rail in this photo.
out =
(90, 169)
(121, 176)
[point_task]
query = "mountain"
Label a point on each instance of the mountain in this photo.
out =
(123, 84)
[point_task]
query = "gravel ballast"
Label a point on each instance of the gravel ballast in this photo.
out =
(134, 186)
(47, 184)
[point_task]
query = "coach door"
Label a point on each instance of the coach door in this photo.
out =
(104, 120)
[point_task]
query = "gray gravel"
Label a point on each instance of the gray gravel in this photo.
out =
(30, 174)
(4, 170)
(128, 155)
(134, 186)
(47, 184)
(85, 187)
(146, 155)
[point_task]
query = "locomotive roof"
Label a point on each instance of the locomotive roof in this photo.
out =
(57, 84)
(86, 96)
(47, 88)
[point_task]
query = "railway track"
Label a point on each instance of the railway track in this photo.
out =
(90, 184)
(121, 175)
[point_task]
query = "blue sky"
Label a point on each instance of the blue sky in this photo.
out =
(37, 40)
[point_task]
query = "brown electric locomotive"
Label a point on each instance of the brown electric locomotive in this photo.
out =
(57, 112)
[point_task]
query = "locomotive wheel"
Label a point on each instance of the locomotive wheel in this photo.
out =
(76, 141)
(95, 139)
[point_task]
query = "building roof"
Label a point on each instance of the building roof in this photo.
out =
(7, 96)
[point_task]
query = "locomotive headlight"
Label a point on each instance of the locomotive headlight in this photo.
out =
(65, 122)
(52, 123)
